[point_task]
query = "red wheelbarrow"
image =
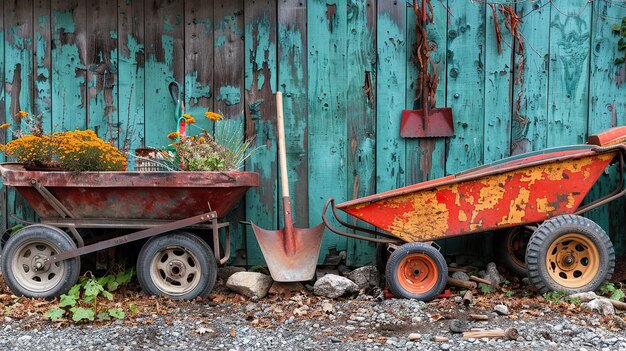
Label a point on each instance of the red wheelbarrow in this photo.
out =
(566, 252)
(93, 211)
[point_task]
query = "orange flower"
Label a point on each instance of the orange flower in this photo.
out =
(173, 135)
(21, 114)
(5, 126)
(213, 116)
(189, 119)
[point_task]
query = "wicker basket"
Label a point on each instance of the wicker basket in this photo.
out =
(149, 160)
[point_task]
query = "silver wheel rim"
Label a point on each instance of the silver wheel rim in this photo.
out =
(175, 271)
(30, 270)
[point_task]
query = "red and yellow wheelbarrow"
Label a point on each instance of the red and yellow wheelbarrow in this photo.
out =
(566, 252)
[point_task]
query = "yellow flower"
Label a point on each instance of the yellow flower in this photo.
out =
(5, 126)
(173, 135)
(189, 119)
(21, 114)
(213, 116)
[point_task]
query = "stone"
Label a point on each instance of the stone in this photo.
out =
(445, 346)
(328, 308)
(24, 339)
(250, 284)
(365, 277)
(585, 296)
(227, 271)
(321, 272)
(458, 326)
(492, 274)
(282, 288)
(334, 286)
(602, 306)
(415, 336)
(461, 276)
(501, 310)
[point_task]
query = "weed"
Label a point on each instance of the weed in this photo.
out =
(613, 292)
(555, 296)
(485, 288)
(510, 293)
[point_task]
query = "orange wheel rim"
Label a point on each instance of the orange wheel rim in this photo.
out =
(573, 260)
(516, 248)
(417, 273)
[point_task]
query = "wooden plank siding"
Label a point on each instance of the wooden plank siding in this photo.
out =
(346, 71)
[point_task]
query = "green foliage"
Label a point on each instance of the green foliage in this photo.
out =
(92, 289)
(510, 293)
(621, 43)
(527, 293)
(133, 308)
(555, 296)
(485, 288)
(574, 300)
(613, 292)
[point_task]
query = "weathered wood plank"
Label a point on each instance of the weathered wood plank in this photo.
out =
(529, 124)
(498, 87)
(466, 84)
(42, 92)
(228, 98)
(131, 76)
(260, 85)
(293, 82)
(199, 62)
(102, 104)
(361, 113)
(69, 93)
(3, 119)
(18, 71)
(569, 72)
(425, 158)
(391, 74)
(164, 64)
(605, 103)
(327, 109)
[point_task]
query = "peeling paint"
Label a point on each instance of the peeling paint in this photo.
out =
(230, 95)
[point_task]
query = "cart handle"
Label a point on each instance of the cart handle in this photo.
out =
(387, 239)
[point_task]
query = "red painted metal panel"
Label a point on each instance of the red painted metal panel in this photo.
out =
(133, 195)
(528, 190)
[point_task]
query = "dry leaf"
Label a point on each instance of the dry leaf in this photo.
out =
(232, 332)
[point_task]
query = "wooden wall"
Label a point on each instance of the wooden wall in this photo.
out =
(345, 69)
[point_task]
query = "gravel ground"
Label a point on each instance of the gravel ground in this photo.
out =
(230, 322)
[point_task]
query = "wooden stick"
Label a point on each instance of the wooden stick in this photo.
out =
(461, 283)
(618, 304)
(480, 280)
(440, 339)
(468, 298)
(479, 317)
(509, 333)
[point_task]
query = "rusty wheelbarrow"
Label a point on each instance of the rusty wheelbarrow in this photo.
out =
(566, 252)
(177, 211)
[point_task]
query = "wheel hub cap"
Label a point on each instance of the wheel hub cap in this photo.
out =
(572, 260)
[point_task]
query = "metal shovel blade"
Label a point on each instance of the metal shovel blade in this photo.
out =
(290, 262)
(418, 124)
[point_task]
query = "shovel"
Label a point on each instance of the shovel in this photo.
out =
(290, 253)
(427, 122)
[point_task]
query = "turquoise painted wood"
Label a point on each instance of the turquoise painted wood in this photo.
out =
(346, 72)
(260, 78)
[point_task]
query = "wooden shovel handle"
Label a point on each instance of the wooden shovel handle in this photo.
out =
(282, 153)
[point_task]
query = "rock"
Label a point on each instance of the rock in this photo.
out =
(328, 308)
(415, 336)
(445, 346)
(461, 276)
(227, 271)
(334, 286)
(365, 277)
(24, 339)
(250, 284)
(602, 306)
(585, 297)
(501, 310)
(343, 270)
(458, 326)
(492, 274)
(334, 340)
(321, 272)
(281, 288)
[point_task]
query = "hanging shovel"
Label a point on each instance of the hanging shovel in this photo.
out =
(429, 121)
(290, 253)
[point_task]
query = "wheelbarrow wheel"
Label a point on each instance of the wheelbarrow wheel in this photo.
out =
(510, 249)
(571, 254)
(178, 264)
(24, 267)
(416, 271)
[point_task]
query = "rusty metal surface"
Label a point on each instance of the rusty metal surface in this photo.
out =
(137, 195)
(524, 190)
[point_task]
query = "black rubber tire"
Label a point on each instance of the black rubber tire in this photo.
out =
(515, 262)
(184, 243)
(49, 240)
(394, 264)
(550, 231)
